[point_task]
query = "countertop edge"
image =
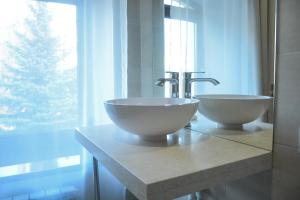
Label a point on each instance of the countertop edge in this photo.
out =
(180, 186)
(137, 187)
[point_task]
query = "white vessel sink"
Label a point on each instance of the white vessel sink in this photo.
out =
(151, 118)
(232, 111)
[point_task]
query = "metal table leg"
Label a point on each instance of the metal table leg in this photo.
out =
(96, 179)
(195, 196)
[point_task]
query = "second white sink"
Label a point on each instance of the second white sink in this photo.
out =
(231, 111)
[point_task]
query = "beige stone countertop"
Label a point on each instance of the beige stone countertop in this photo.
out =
(257, 134)
(187, 162)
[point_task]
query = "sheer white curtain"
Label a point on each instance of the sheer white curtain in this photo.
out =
(102, 59)
(102, 72)
(219, 37)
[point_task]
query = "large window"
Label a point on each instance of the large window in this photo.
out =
(180, 40)
(38, 96)
(38, 66)
(221, 39)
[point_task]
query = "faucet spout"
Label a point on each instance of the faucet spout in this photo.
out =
(211, 80)
(189, 80)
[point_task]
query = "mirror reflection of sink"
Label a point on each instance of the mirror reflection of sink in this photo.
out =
(151, 118)
(232, 111)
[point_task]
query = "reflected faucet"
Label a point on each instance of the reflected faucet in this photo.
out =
(174, 81)
(189, 80)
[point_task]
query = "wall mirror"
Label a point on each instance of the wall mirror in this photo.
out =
(231, 41)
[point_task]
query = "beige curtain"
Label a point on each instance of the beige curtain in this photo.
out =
(267, 10)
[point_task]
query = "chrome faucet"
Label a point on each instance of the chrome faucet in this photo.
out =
(174, 81)
(188, 80)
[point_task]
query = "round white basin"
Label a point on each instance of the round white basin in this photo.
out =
(151, 118)
(231, 111)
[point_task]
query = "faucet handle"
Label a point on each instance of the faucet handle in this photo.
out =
(174, 75)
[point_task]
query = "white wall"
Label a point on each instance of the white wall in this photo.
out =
(286, 173)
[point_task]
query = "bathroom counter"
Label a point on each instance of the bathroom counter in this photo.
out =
(257, 134)
(187, 162)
